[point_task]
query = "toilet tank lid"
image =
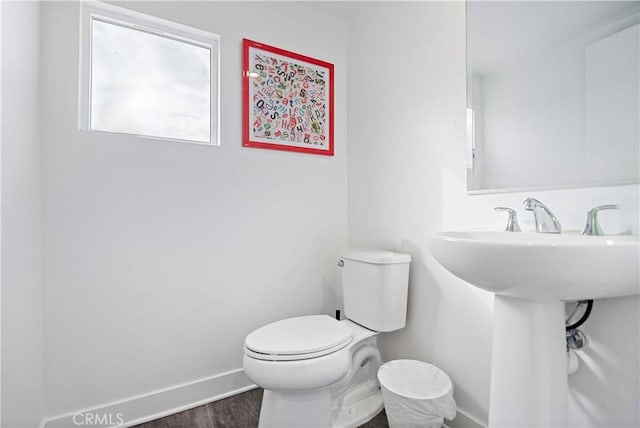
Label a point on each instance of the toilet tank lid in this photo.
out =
(377, 257)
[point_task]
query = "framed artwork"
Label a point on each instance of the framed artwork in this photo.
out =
(287, 100)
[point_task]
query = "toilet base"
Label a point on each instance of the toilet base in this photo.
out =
(359, 407)
(314, 409)
(295, 409)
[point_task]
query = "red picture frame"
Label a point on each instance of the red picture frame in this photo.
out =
(287, 100)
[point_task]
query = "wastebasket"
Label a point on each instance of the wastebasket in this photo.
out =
(416, 394)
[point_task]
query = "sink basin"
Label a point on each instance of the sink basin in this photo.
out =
(542, 266)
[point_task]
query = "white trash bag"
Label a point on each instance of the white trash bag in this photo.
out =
(416, 394)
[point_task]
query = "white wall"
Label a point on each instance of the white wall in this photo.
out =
(159, 258)
(0, 215)
(604, 392)
(406, 141)
(406, 175)
(21, 218)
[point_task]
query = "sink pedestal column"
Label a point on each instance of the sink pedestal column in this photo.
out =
(529, 367)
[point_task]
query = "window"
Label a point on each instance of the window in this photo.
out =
(145, 76)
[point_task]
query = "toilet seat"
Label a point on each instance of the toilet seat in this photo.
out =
(298, 338)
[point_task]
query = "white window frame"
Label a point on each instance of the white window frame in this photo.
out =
(91, 10)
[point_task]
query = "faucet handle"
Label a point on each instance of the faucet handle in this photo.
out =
(512, 222)
(593, 227)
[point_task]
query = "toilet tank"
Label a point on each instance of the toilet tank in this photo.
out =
(374, 287)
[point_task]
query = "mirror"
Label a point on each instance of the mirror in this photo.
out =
(552, 94)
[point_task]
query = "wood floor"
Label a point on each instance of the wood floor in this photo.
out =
(239, 411)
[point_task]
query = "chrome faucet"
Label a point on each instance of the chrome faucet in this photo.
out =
(546, 222)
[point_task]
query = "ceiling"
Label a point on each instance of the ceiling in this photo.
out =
(339, 9)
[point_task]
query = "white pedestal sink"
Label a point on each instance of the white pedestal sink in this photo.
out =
(532, 274)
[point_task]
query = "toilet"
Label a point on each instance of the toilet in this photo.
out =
(317, 371)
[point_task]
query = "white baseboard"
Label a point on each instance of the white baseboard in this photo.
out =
(465, 420)
(156, 404)
(164, 402)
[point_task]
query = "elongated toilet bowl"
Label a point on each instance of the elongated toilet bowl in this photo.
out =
(307, 367)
